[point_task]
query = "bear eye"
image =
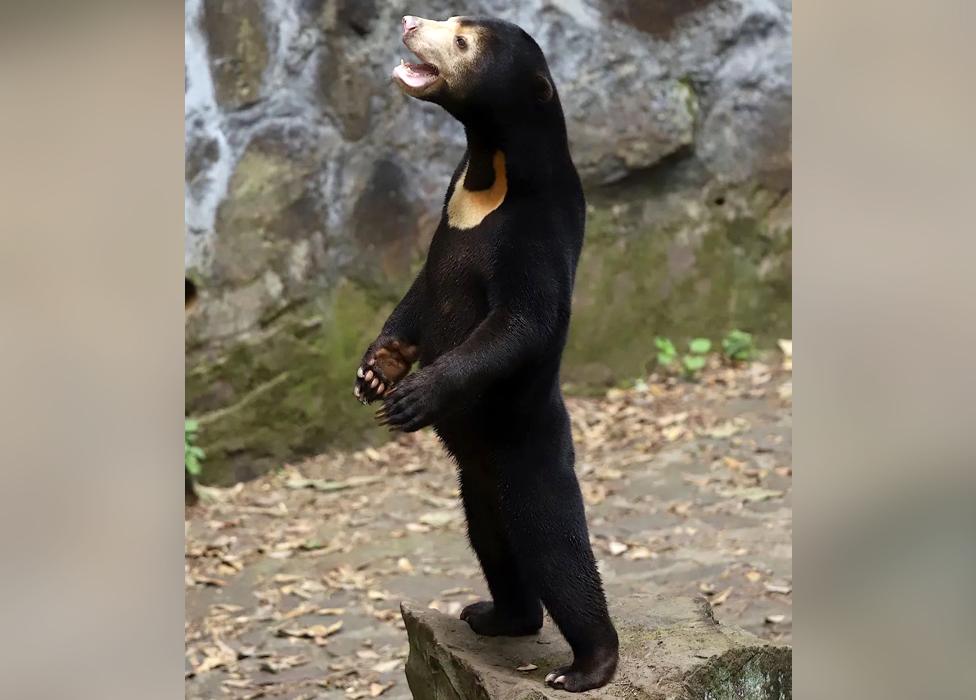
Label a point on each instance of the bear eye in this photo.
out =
(461, 42)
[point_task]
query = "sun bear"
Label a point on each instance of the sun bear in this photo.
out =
(487, 319)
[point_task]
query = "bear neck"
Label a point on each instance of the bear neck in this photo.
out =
(536, 150)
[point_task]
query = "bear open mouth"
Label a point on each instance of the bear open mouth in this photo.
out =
(416, 75)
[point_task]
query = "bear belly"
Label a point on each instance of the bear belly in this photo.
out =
(448, 322)
(456, 299)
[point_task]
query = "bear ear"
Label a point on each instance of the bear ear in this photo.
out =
(543, 87)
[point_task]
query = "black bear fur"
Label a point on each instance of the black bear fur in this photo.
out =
(487, 318)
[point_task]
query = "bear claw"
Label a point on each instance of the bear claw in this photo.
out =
(384, 364)
(370, 384)
(594, 672)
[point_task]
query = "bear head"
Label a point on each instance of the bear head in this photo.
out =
(474, 67)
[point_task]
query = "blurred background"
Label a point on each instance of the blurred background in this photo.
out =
(92, 357)
(313, 186)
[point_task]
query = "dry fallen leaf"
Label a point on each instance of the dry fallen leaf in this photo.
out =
(460, 590)
(328, 486)
(439, 518)
(775, 619)
(724, 430)
(681, 509)
(377, 689)
(448, 607)
(672, 419)
(283, 663)
(386, 666)
(314, 632)
(733, 463)
(673, 432)
(608, 474)
(638, 553)
(753, 576)
(699, 481)
(527, 667)
(617, 548)
(217, 656)
(721, 597)
(759, 373)
(750, 494)
(298, 611)
(593, 493)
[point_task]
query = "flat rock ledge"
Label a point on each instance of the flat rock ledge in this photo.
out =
(670, 648)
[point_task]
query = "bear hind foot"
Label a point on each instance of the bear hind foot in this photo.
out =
(585, 674)
(485, 620)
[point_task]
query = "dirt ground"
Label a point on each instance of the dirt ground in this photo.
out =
(293, 581)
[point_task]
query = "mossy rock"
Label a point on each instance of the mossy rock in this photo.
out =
(700, 275)
(238, 45)
(286, 390)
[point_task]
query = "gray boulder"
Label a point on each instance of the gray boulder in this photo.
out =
(671, 648)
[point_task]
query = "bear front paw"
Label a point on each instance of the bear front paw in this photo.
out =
(416, 402)
(385, 363)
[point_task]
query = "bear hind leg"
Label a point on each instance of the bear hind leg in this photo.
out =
(515, 609)
(545, 508)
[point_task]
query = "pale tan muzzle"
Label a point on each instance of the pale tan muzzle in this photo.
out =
(447, 49)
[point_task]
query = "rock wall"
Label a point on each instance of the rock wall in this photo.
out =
(313, 185)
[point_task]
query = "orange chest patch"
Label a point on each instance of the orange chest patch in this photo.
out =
(468, 208)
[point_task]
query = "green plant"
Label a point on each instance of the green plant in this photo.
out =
(666, 352)
(694, 361)
(691, 363)
(738, 346)
(192, 454)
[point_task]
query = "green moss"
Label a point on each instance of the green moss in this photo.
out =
(682, 279)
(763, 675)
(286, 392)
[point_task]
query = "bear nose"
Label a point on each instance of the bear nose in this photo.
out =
(410, 23)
